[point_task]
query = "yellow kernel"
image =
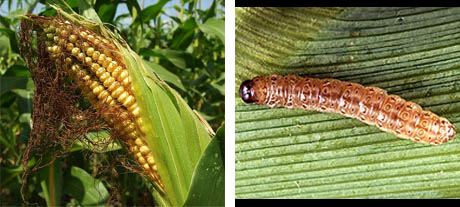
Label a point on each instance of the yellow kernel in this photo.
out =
(85, 46)
(144, 150)
(155, 168)
(113, 86)
(58, 30)
(142, 160)
(116, 72)
(91, 38)
(104, 76)
(49, 48)
(150, 159)
(86, 78)
(56, 39)
(81, 56)
(128, 101)
(93, 85)
(139, 142)
(101, 59)
(129, 128)
(109, 81)
(69, 47)
(103, 94)
(94, 67)
(84, 34)
(125, 82)
(51, 28)
(109, 100)
(75, 51)
(134, 149)
(136, 112)
(75, 68)
(123, 96)
(100, 71)
(138, 154)
(68, 60)
(133, 135)
(97, 42)
(62, 42)
(97, 90)
(146, 166)
(117, 92)
(107, 61)
(88, 60)
(96, 55)
(90, 51)
(64, 33)
(50, 36)
(123, 75)
(73, 38)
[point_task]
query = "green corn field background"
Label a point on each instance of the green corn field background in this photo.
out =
(183, 41)
(410, 52)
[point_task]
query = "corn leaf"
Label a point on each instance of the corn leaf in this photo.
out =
(411, 52)
(176, 136)
(85, 189)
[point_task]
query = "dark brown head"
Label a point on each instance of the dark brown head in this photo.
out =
(247, 92)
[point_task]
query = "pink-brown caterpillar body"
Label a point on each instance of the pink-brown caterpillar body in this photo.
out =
(371, 105)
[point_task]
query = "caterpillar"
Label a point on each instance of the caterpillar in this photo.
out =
(371, 105)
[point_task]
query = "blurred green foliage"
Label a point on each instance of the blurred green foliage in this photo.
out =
(187, 44)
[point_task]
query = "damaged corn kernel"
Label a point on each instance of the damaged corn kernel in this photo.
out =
(95, 66)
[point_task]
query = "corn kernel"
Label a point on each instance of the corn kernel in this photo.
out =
(98, 89)
(91, 38)
(150, 159)
(81, 56)
(117, 92)
(141, 160)
(124, 74)
(123, 96)
(146, 167)
(88, 60)
(104, 76)
(73, 38)
(84, 34)
(75, 51)
(109, 81)
(90, 51)
(68, 60)
(144, 150)
(100, 71)
(96, 55)
(69, 47)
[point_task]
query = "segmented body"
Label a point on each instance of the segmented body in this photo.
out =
(371, 105)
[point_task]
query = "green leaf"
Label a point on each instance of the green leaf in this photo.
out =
(88, 11)
(214, 27)
(208, 184)
(51, 181)
(8, 83)
(151, 12)
(183, 36)
(176, 57)
(175, 135)
(166, 75)
(284, 153)
(106, 10)
(85, 189)
(94, 141)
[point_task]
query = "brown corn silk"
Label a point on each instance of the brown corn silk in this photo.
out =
(372, 105)
(97, 72)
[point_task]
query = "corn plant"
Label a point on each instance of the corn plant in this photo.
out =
(87, 78)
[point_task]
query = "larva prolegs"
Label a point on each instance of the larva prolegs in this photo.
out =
(371, 105)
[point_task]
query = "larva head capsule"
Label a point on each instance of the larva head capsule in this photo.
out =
(247, 92)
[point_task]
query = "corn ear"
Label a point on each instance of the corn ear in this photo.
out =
(95, 65)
